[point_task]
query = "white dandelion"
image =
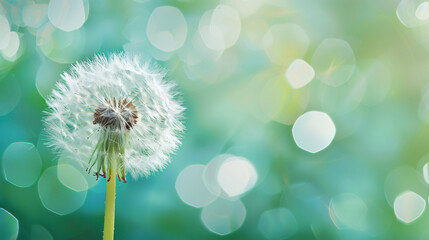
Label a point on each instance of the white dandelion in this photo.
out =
(115, 115)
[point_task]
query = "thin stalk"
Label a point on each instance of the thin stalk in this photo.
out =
(109, 212)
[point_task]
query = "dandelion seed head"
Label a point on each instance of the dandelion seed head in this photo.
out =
(115, 114)
(115, 107)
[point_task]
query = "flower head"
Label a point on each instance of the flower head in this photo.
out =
(115, 115)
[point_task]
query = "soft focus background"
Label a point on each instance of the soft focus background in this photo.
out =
(306, 119)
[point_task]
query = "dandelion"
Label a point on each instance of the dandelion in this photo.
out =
(115, 116)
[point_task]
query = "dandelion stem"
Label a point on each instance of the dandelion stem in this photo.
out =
(109, 212)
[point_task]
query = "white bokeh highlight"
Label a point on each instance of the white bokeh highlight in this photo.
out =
(67, 15)
(220, 28)
(299, 73)
(4, 32)
(223, 216)
(34, 15)
(411, 13)
(313, 131)
(426, 172)
(236, 175)
(167, 28)
(191, 189)
(12, 47)
(229, 176)
(409, 206)
(210, 176)
(422, 11)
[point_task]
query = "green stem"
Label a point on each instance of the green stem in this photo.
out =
(109, 212)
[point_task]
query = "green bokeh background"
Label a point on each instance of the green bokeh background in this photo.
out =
(379, 148)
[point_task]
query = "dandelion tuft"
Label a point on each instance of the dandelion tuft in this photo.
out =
(115, 115)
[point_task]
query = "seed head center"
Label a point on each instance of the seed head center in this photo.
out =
(116, 114)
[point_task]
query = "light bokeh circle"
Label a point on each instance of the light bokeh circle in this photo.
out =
(223, 216)
(56, 197)
(167, 28)
(313, 131)
(191, 188)
(409, 206)
(21, 164)
(9, 225)
(67, 15)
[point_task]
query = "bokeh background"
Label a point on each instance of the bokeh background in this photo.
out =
(306, 119)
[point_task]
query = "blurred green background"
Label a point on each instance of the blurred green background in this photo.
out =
(270, 151)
